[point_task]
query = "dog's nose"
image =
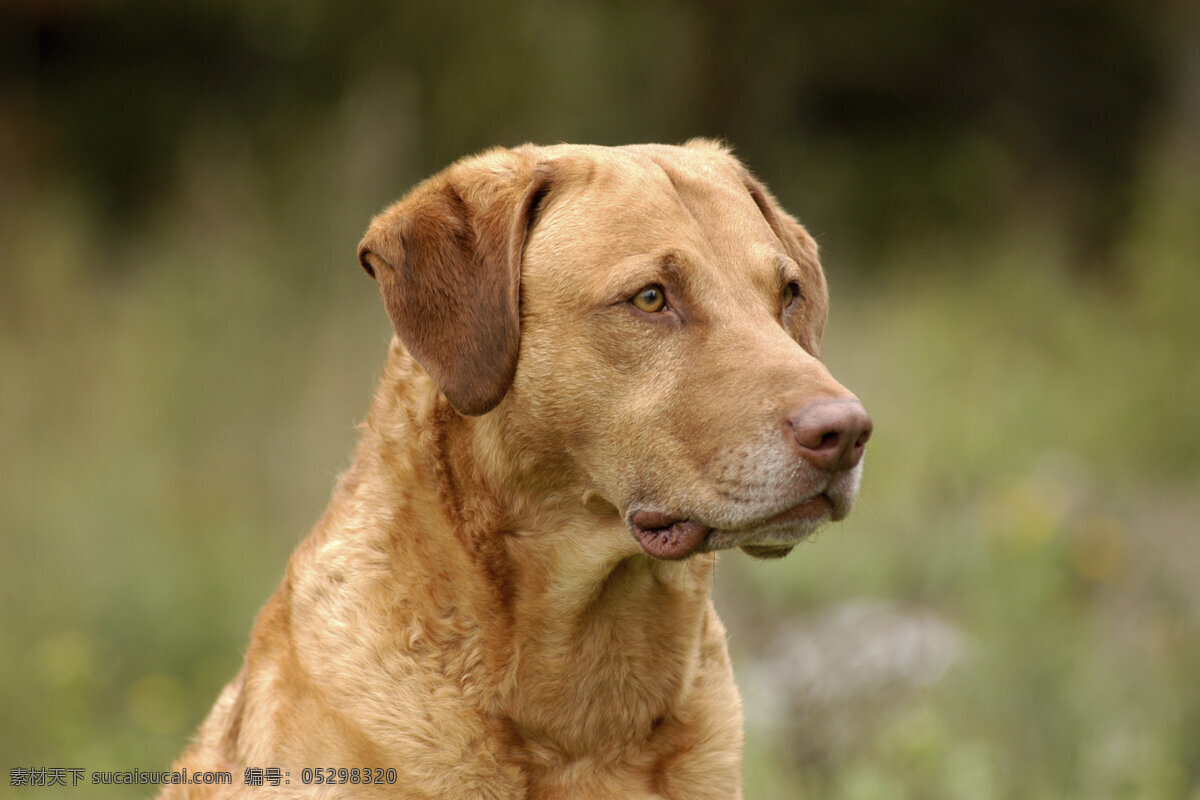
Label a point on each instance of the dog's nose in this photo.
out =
(832, 434)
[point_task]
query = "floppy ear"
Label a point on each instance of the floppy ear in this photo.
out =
(803, 249)
(447, 260)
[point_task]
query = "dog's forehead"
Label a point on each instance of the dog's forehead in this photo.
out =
(639, 199)
(649, 171)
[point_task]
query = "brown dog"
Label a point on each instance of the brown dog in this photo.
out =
(606, 369)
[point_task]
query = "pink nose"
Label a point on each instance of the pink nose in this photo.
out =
(832, 434)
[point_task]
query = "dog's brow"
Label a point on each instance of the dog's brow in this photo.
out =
(789, 270)
(673, 268)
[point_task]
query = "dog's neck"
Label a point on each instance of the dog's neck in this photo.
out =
(552, 578)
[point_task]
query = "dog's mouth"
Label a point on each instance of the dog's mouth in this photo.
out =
(670, 538)
(663, 537)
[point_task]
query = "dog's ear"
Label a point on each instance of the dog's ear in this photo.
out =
(803, 249)
(447, 260)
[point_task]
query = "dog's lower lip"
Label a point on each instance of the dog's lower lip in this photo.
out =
(666, 537)
(811, 507)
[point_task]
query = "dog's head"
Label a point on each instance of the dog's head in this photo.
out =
(644, 325)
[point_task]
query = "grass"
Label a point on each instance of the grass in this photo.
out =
(170, 429)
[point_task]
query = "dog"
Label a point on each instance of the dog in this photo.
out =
(606, 369)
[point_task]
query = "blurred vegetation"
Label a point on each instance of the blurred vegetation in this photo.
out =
(1007, 195)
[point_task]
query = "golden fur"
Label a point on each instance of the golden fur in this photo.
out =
(480, 608)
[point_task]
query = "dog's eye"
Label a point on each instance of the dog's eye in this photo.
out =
(791, 293)
(650, 299)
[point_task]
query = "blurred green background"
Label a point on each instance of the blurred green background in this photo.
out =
(1007, 195)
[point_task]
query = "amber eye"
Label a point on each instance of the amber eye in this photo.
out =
(651, 299)
(790, 293)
